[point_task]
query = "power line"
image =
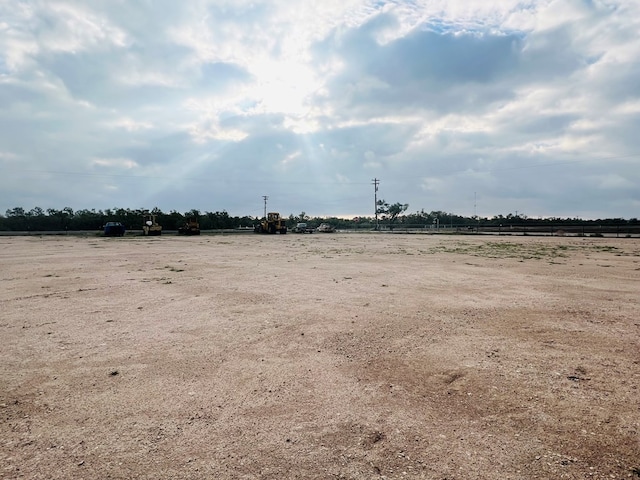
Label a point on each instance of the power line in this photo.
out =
(173, 177)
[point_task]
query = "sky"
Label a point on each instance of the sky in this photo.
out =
(527, 107)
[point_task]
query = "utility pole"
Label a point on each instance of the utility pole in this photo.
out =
(265, 197)
(376, 182)
(475, 200)
(475, 212)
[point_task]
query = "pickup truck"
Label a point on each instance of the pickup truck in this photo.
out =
(326, 228)
(303, 228)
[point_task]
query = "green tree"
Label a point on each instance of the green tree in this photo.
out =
(86, 220)
(15, 212)
(390, 213)
(37, 212)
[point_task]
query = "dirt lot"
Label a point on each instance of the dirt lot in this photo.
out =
(356, 356)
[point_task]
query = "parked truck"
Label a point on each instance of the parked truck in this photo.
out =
(303, 228)
(114, 229)
(326, 228)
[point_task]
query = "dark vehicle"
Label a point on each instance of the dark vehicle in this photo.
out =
(303, 228)
(114, 229)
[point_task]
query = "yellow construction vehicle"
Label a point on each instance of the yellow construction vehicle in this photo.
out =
(190, 227)
(150, 226)
(272, 224)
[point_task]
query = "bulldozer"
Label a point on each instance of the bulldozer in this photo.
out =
(150, 226)
(272, 224)
(190, 227)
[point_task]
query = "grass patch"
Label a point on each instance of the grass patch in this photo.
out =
(525, 251)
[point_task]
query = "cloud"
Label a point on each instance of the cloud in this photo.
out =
(527, 104)
(125, 163)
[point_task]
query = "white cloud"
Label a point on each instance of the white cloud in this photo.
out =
(611, 181)
(422, 94)
(71, 27)
(129, 124)
(125, 163)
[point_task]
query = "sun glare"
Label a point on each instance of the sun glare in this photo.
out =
(284, 86)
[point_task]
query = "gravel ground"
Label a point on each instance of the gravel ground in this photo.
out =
(356, 356)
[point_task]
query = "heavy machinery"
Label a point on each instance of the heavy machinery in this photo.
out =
(272, 224)
(190, 227)
(150, 226)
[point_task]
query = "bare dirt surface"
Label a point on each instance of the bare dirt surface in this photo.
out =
(356, 356)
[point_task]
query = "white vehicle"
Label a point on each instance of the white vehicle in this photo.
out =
(326, 228)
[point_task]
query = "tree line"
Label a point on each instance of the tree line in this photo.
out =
(389, 216)
(39, 220)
